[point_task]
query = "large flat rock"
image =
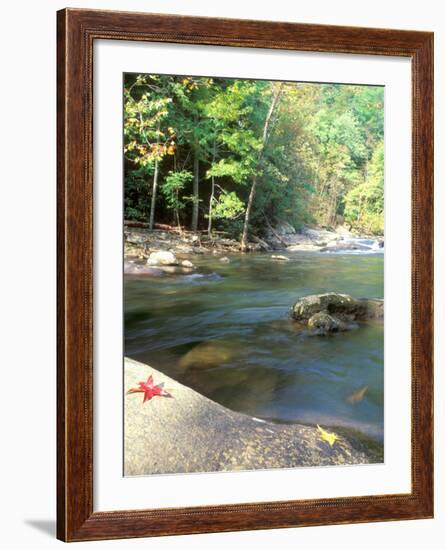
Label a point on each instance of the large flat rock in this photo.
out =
(190, 433)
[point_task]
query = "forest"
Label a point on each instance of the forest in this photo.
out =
(238, 156)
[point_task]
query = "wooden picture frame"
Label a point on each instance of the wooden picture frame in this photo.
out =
(77, 31)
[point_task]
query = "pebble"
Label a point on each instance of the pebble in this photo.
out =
(187, 263)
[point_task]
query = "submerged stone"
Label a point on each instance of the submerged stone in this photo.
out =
(207, 354)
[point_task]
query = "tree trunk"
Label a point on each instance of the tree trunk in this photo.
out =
(155, 186)
(195, 212)
(247, 216)
(212, 194)
(366, 174)
(153, 195)
(176, 211)
(274, 233)
(178, 221)
(275, 99)
(332, 204)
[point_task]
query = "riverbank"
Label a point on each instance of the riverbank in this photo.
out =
(139, 242)
(188, 432)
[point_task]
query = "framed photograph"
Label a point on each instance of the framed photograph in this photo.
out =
(245, 231)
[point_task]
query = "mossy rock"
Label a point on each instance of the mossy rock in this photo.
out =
(341, 306)
(323, 323)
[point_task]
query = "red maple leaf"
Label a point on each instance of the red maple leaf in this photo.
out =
(150, 390)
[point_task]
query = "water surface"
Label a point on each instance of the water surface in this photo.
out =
(225, 331)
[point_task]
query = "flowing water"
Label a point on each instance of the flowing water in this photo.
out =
(225, 331)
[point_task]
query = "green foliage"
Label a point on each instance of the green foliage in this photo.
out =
(135, 203)
(145, 140)
(238, 170)
(173, 186)
(322, 160)
(364, 204)
(233, 228)
(228, 206)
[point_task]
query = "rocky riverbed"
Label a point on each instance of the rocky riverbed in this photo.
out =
(168, 250)
(188, 432)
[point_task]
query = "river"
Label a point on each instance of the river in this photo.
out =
(225, 331)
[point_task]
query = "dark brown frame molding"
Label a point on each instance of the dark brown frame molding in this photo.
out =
(77, 30)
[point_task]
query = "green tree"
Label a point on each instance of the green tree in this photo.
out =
(219, 148)
(146, 142)
(173, 188)
(194, 128)
(364, 204)
(341, 150)
(235, 145)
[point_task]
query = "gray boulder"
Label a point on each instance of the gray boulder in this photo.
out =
(321, 236)
(136, 238)
(324, 323)
(196, 434)
(341, 306)
(375, 309)
(162, 257)
(285, 228)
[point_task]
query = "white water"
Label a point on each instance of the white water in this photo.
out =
(367, 245)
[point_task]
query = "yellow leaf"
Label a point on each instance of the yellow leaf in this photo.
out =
(330, 437)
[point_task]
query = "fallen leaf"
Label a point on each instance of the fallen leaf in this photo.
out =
(330, 437)
(150, 390)
(357, 395)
